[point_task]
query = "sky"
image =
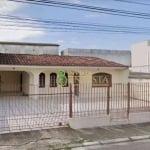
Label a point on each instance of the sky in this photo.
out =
(101, 40)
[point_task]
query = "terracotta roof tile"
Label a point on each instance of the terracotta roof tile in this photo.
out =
(55, 60)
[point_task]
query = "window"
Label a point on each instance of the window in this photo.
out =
(42, 80)
(53, 78)
(101, 80)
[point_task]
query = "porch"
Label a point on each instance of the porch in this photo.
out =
(15, 82)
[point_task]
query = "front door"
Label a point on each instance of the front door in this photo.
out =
(76, 84)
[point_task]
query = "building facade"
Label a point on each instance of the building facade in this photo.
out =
(29, 72)
(119, 56)
(141, 56)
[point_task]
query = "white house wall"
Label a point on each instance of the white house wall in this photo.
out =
(25, 83)
(31, 77)
(118, 76)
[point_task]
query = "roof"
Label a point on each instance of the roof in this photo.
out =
(29, 43)
(55, 60)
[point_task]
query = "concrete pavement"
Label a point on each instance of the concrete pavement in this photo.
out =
(67, 138)
(136, 145)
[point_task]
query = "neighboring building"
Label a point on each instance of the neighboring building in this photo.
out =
(31, 68)
(141, 57)
(119, 56)
(29, 48)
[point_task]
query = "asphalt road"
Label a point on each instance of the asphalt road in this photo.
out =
(140, 145)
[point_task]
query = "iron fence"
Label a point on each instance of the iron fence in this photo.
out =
(30, 107)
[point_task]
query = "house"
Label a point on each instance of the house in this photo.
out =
(140, 70)
(40, 89)
(33, 68)
(119, 56)
(141, 56)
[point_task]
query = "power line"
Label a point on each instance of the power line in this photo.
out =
(59, 22)
(51, 24)
(74, 29)
(63, 29)
(90, 8)
(133, 2)
(40, 21)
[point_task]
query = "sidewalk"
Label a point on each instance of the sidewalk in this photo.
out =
(67, 139)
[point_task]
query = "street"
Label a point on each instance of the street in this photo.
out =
(140, 145)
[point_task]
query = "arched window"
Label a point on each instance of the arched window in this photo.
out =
(101, 80)
(53, 82)
(42, 80)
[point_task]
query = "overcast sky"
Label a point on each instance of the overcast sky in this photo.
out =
(75, 40)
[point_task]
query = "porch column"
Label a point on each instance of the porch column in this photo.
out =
(34, 85)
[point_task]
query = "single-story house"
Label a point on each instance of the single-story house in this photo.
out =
(39, 88)
(34, 73)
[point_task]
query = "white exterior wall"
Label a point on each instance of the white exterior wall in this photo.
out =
(31, 77)
(25, 83)
(118, 76)
(29, 49)
(119, 56)
(141, 57)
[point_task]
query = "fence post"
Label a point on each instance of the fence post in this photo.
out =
(70, 101)
(108, 100)
(128, 104)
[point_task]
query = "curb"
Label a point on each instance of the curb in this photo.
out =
(81, 146)
(135, 138)
(112, 141)
(91, 143)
